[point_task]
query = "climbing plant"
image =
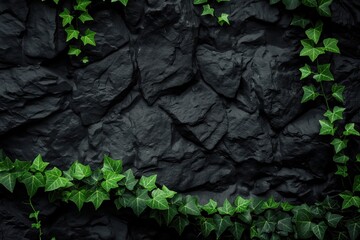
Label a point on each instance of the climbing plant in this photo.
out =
(334, 218)
(77, 17)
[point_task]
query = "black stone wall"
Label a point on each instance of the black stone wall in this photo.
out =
(214, 111)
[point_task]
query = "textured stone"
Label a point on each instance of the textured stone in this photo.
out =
(99, 85)
(39, 39)
(10, 39)
(248, 137)
(213, 111)
(221, 70)
(199, 114)
(28, 94)
(165, 54)
(111, 34)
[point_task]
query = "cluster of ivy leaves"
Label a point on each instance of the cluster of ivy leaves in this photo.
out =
(72, 18)
(243, 218)
(321, 6)
(222, 19)
(79, 14)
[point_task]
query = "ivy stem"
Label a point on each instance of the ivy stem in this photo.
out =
(324, 95)
(36, 217)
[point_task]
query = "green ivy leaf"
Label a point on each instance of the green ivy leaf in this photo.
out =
(337, 92)
(8, 180)
(89, 38)
(66, 17)
(353, 229)
(324, 8)
(168, 193)
(123, 200)
(179, 223)
(79, 171)
(95, 177)
(256, 205)
(54, 180)
(148, 183)
(309, 93)
(270, 204)
(33, 182)
(342, 171)
(319, 230)
(111, 180)
(138, 203)
(286, 206)
(221, 224)
(74, 51)
(207, 226)
(123, 2)
(130, 180)
(6, 164)
(158, 202)
(305, 71)
(112, 165)
(358, 158)
(191, 207)
(336, 114)
(85, 16)
(226, 209)
(310, 50)
(169, 214)
(350, 130)
(324, 73)
(241, 204)
(207, 10)
(197, 2)
(341, 158)
(82, 5)
(97, 197)
(327, 128)
(309, 3)
(85, 60)
(224, 18)
(253, 232)
(265, 225)
(339, 144)
(291, 4)
(285, 224)
(38, 164)
(341, 236)
(299, 21)
(356, 185)
(21, 166)
(333, 219)
(210, 207)
(237, 230)
(245, 216)
(349, 200)
(330, 45)
(71, 33)
(78, 197)
(303, 223)
(315, 33)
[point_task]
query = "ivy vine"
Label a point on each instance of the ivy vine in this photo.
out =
(334, 218)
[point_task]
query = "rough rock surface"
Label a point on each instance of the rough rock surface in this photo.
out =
(214, 111)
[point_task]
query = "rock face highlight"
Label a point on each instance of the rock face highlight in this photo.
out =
(214, 111)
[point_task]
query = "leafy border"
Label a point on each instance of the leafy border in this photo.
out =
(249, 218)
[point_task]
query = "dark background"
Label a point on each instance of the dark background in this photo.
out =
(214, 111)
